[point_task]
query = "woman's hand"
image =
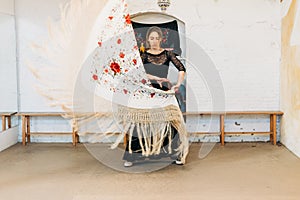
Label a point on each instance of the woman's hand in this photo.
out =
(181, 75)
(175, 88)
(160, 81)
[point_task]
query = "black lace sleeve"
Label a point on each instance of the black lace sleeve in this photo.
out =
(176, 61)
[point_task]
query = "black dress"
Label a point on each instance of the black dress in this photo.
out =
(156, 65)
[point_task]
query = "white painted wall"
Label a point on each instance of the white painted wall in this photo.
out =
(8, 72)
(32, 27)
(238, 40)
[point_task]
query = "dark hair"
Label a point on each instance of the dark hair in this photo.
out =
(151, 30)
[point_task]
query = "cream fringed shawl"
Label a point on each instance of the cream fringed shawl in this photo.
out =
(155, 123)
(98, 78)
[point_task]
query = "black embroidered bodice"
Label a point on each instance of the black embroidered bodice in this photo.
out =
(158, 64)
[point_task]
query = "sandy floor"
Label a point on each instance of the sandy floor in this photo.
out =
(236, 171)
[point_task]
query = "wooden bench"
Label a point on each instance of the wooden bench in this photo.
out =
(26, 133)
(222, 115)
(6, 119)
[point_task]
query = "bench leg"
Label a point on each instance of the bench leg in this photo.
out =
(28, 128)
(24, 130)
(273, 129)
(3, 123)
(75, 137)
(222, 130)
(274, 120)
(9, 122)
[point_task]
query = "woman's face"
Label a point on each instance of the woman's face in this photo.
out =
(154, 40)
